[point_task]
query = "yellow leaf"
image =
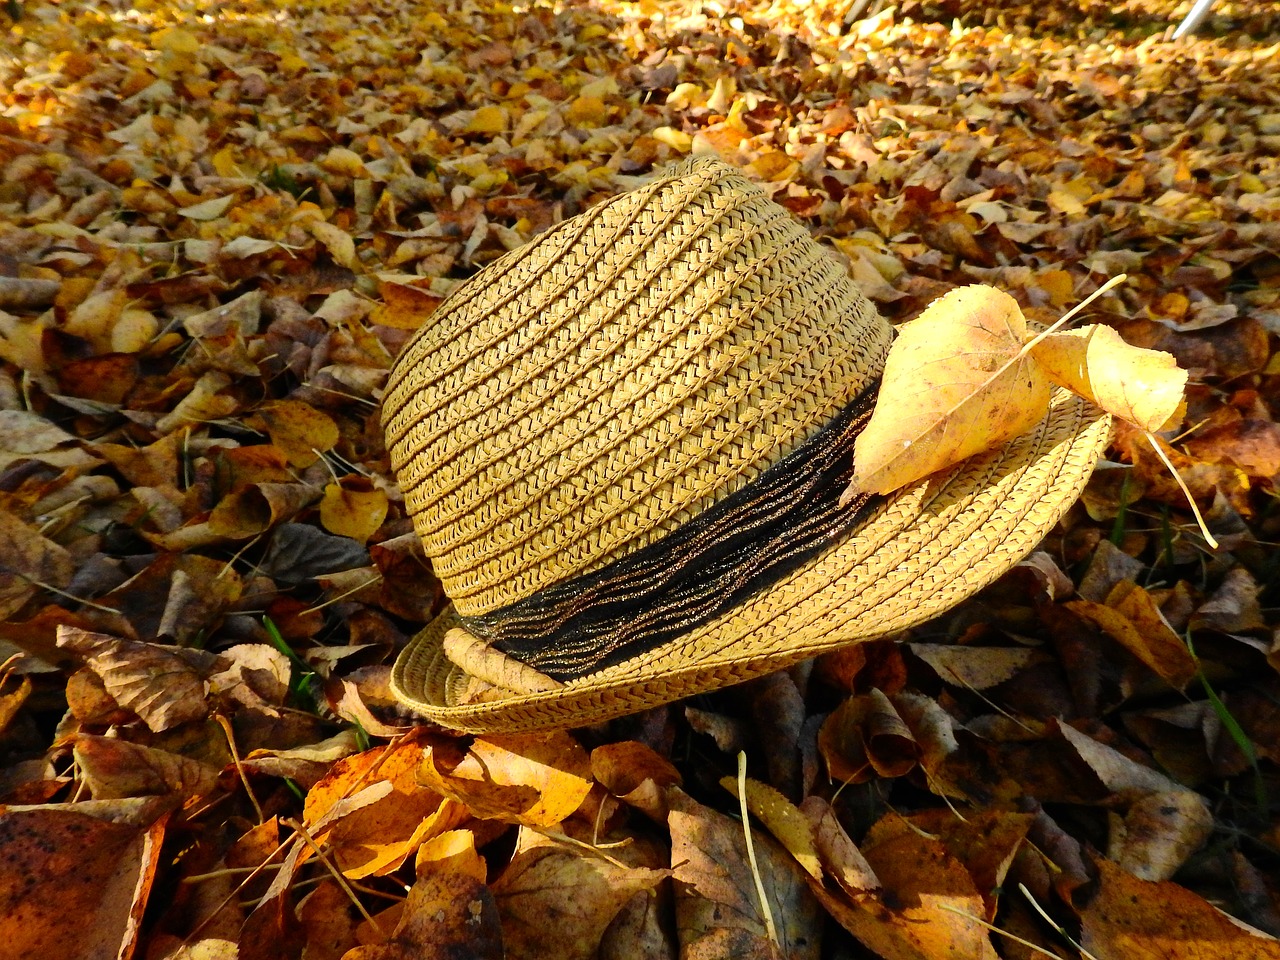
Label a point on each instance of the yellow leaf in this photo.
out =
(955, 384)
(176, 40)
(301, 431)
(354, 513)
(1144, 387)
(342, 161)
(675, 139)
(783, 819)
(134, 330)
(487, 120)
(94, 318)
(587, 111)
(337, 241)
(207, 209)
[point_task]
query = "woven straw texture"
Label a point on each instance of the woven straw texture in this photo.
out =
(587, 393)
(590, 391)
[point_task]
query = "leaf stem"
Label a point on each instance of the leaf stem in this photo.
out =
(1183, 487)
(751, 851)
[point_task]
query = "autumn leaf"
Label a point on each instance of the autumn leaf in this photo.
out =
(1144, 387)
(94, 862)
(955, 383)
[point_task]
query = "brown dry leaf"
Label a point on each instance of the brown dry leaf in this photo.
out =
(1232, 608)
(28, 563)
(74, 878)
(1121, 777)
(837, 852)
(301, 431)
(1132, 919)
(536, 779)
(716, 899)
(115, 769)
(353, 507)
(378, 837)
(404, 307)
(984, 841)
(956, 383)
(305, 765)
(28, 435)
(636, 775)
(1143, 386)
(865, 737)
(1132, 618)
(937, 912)
(449, 913)
(1158, 834)
(978, 668)
(164, 686)
(550, 886)
(328, 924)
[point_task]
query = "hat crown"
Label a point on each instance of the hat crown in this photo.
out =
(589, 392)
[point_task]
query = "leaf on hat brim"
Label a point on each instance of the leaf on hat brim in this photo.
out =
(956, 383)
(966, 377)
(1142, 386)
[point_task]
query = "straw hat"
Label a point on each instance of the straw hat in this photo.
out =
(622, 444)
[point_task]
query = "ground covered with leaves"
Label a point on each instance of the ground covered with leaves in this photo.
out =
(218, 228)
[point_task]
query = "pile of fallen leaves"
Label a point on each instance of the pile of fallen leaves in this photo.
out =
(218, 225)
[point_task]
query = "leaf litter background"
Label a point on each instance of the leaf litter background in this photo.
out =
(218, 228)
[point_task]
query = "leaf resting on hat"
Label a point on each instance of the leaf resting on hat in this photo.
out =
(966, 377)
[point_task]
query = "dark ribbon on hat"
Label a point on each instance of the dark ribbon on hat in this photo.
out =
(706, 567)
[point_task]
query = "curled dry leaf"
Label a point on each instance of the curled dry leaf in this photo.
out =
(165, 686)
(865, 737)
(1144, 387)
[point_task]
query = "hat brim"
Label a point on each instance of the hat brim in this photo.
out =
(922, 551)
